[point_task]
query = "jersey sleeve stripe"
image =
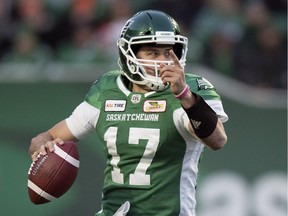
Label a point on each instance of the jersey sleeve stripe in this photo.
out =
(217, 106)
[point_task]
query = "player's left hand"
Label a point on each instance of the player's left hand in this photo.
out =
(173, 74)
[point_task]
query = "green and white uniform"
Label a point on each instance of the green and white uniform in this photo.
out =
(151, 156)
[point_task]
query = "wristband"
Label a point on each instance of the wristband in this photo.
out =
(183, 93)
(202, 117)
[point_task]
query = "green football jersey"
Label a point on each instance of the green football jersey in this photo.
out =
(152, 159)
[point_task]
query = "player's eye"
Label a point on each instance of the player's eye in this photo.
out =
(167, 53)
(153, 53)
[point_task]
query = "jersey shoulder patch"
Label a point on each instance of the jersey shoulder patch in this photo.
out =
(201, 86)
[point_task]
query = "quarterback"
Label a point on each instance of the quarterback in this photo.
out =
(153, 120)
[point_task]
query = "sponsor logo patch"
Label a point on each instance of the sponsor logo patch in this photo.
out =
(154, 106)
(115, 105)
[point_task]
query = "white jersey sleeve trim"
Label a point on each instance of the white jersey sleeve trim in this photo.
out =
(217, 106)
(189, 171)
(83, 120)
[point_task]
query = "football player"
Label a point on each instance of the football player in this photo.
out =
(153, 120)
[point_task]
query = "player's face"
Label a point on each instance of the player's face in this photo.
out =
(155, 53)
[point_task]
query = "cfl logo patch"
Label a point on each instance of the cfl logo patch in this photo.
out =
(136, 98)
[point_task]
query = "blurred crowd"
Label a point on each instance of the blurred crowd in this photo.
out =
(244, 39)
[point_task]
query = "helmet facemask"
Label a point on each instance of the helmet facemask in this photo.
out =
(137, 72)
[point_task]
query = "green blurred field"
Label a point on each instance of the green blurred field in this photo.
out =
(257, 145)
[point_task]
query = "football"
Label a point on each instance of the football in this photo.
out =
(51, 175)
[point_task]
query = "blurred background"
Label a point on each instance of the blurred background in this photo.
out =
(51, 51)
